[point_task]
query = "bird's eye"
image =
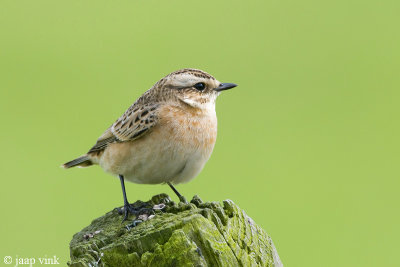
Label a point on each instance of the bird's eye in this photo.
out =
(199, 86)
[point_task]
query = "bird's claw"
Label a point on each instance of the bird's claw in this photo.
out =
(130, 209)
(126, 210)
(133, 224)
(183, 199)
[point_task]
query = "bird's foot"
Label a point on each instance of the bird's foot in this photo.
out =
(128, 208)
(136, 210)
(183, 199)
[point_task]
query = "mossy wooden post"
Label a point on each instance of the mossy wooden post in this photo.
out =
(194, 234)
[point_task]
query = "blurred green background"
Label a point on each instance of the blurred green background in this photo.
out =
(308, 144)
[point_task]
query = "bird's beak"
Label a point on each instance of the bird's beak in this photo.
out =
(225, 86)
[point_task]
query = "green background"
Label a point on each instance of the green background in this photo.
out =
(308, 144)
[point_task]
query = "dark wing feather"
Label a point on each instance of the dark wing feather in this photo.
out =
(103, 143)
(133, 124)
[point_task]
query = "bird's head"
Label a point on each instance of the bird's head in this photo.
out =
(193, 87)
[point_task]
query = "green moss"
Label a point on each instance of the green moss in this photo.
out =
(191, 234)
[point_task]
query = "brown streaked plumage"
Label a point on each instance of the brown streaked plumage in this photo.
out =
(166, 136)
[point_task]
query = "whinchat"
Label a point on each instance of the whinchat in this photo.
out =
(166, 136)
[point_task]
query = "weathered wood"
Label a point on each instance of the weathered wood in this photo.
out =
(194, 234)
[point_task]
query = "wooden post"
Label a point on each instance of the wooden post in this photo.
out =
(193, 234)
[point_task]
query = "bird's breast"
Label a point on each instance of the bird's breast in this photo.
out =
(190, 127)
(174, 150)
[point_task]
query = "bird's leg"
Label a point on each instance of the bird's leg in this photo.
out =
(181, 198)
(127, 207)
(133, 209)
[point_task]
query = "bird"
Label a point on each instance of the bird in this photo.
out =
(165, 137)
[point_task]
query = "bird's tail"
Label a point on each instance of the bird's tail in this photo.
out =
(83, 161)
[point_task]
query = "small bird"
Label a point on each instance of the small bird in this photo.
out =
(166, 136)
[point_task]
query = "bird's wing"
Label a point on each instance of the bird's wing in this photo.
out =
(133, 124)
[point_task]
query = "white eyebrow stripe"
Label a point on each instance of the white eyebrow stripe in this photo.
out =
(185, 80)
